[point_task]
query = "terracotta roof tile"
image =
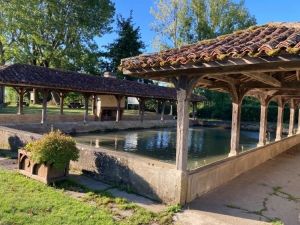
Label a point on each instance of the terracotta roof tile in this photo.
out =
(266, 40)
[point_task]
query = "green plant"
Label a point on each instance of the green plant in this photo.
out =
(53, 148)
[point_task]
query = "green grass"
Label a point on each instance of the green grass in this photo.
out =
(52, 109)
(37, 109)
(25, 201)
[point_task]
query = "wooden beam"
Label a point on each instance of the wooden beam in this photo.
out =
(232, 66)
(224, 78)
(264, 78)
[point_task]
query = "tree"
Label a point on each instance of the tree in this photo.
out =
(172, 23)
(54, 33)
(179, 22)
(127, 44)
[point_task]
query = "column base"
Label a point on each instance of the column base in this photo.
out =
(233, 153)
(260, 144)
(278, 139)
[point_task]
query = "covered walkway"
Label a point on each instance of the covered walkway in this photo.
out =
(25, 78)
(268, 193)
(262, 61)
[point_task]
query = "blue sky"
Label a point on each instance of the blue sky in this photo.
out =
(264, 10)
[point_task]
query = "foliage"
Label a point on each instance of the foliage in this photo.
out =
(11, 95)
(53, 148)
(127, 44)
(179, 22)
(53, 33)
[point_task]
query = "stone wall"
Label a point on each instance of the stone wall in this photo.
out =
(11, 139)
(8, 119)
(151, 178)
(205, 179)
(93, 126)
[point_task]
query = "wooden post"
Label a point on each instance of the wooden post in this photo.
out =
(44, 109)
(298, 130)
(171, 108)
(118, 116)
(235, 128)
(141, 108)
(61, 102)
(86, 108)
(184, 87)
(292, 118)
(237, 95)
(2, 95)
(162, 117)
(264, 102)
(194, 111)
(21, 92)
(94, 107)
(279, 119)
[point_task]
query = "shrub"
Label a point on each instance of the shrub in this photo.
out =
(53, 148)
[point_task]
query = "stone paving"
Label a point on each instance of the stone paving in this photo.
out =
(264, 195)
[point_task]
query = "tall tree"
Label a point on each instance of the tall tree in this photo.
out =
(179, 22)
(127, 44)
(172, 23)
(54, 33)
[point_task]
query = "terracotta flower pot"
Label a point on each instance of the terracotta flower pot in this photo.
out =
(42, 172)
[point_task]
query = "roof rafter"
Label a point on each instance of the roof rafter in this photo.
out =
(264, 78)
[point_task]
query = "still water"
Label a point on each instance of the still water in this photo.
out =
(206, 145)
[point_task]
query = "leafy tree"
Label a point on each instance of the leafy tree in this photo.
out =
(54, 33)
(172, 23)
(179, 22)
(127, 44)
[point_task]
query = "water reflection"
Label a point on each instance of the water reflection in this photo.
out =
(206, 145)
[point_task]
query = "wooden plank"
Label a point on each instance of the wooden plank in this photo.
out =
(265, 78)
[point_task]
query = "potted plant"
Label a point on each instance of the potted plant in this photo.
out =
(48, 158)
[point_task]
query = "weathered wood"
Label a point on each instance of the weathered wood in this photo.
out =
(45, 94)
(279, 119)
(194, 110)
(184, 88)
(232, 66)
(94, 107)
(2, 95)
(171, 108)
(86, 108)
(61, 102)
(264, 102)
(265, 78)
(235, 128)
(21, 92)
(298, 130)
(224, 78)
(118, 116)
(141, 108)
(162, 116)
(292, 118)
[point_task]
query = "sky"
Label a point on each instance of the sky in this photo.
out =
(265, 11)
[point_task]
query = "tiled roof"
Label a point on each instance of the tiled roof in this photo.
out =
(54, 79)
(267, 40)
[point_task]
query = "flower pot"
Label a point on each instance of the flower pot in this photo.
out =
(45, 173)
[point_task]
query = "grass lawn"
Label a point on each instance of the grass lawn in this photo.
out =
(37, 109)
(25, 201)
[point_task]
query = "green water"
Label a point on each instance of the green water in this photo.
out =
(206, 145)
